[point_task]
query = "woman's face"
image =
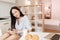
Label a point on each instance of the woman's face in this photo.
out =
(15, 13)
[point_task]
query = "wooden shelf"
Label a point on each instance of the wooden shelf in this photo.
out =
(31, 5)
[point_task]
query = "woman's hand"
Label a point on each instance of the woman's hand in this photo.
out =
(12, 32)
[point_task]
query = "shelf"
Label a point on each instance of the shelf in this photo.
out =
(33, 26)
(31, 5)
(32, 20)
(33, 13)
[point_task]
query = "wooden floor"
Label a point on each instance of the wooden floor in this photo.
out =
(51, 31)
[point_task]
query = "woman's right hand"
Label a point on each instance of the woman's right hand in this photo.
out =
(12, 32)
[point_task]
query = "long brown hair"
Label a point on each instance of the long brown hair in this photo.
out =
(13, 19)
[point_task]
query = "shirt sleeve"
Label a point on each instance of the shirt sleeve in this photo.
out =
(27, 24)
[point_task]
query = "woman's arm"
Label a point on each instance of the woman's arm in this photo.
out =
(27, 24)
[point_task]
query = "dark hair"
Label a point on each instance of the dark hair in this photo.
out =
(13, 19)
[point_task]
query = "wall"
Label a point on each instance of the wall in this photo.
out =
(5, 9)
(56, 9)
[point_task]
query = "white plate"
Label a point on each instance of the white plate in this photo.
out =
(32, 33)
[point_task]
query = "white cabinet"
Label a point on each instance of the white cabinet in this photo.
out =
(10, 1)
(4, 26)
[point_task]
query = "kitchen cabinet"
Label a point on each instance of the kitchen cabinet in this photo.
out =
(9, 1)
(4, 26)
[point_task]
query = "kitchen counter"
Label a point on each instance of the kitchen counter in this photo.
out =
(41, 35)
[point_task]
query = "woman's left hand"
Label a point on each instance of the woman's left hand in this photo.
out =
(13, 31)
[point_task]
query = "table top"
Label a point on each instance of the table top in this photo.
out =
(40, 34)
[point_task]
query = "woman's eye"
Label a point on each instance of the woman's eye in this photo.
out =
(15, 11)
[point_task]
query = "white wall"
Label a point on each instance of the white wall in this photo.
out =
(20, 2)
(5, 9)
(56, 9)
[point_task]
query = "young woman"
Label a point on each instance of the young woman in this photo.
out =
(19, 22)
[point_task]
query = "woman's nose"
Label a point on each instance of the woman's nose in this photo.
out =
(15, 14)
